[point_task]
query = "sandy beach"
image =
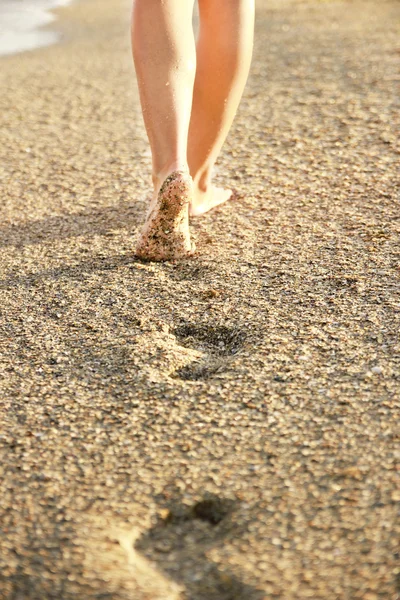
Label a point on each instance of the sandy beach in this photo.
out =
(223, 427)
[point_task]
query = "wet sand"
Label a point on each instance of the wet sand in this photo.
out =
(221, 427)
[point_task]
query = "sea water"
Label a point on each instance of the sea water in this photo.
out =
(21, 23)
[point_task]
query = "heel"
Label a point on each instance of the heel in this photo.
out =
(165, 235)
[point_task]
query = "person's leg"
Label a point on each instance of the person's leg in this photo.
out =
(224, 50)
(165, 60)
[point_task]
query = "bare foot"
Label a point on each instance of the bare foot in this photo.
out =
(165, 234)
(204, 201)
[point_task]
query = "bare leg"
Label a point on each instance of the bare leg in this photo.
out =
(165, 60)
(224, 50)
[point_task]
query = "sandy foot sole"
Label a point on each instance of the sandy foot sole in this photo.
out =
(165, 235)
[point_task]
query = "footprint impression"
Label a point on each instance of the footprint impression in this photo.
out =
(216, 342)
(179, 542)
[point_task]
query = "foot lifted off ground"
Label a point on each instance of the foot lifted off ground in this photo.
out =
(165, 235)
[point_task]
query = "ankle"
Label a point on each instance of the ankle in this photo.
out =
(159, 176)
(202, 180)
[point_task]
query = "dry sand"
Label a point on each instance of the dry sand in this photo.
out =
(222, 428)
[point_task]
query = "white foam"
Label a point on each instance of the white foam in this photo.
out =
(21, 22)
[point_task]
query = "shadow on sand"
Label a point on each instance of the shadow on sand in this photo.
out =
(179, 544)
(90, 222)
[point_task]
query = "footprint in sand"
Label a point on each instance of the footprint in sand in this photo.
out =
(217, 343)
(179, 543)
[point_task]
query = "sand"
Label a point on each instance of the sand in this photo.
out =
(221, 427)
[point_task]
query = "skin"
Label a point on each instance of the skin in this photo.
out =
(190, 94)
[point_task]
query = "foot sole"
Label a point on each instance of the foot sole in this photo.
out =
(165, 235)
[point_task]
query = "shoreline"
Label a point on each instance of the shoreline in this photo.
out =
(25, 26)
